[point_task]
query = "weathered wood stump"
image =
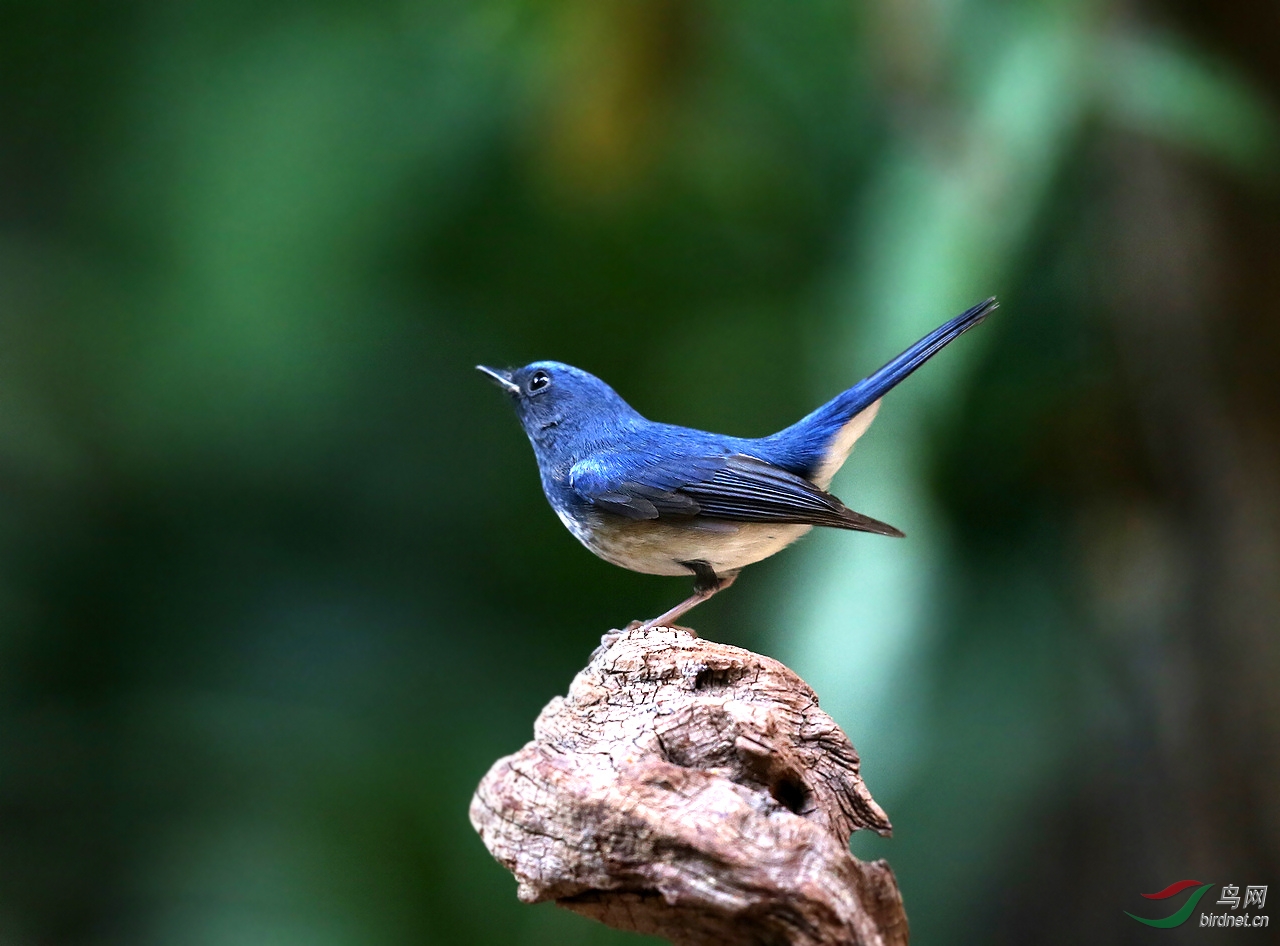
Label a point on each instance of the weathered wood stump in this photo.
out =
(694, 791)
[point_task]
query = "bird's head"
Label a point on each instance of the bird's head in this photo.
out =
(559, 404)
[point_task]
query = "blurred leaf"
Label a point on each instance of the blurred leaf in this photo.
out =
(1165, 88)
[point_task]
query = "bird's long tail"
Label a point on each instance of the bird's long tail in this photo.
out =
(810, 443)
(873, 387)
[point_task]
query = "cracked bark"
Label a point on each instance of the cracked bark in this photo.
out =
(694, 791)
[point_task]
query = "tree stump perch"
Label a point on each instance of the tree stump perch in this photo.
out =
(694, 791)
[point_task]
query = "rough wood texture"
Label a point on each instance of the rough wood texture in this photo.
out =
(694, 791)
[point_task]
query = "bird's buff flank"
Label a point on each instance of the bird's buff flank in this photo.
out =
(669, 500)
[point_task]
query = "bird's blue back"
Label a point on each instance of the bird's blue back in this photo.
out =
(595, 450)
(801, 448)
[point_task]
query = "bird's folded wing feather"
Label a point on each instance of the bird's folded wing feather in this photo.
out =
(733, 487)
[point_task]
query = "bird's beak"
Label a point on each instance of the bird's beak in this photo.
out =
(501, 378)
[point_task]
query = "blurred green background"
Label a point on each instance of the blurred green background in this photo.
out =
(278, 580)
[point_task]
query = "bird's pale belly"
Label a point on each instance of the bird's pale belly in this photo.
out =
(659, 548)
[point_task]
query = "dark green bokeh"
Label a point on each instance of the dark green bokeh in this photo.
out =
(278, 580)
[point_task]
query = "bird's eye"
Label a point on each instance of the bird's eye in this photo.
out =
(539, 382)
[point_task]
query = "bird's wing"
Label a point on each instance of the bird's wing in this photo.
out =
(733, 487)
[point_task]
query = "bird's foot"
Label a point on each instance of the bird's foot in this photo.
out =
(644, 627)
(706, 583)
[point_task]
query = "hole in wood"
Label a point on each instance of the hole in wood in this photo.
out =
(791, 793)
(717, 678)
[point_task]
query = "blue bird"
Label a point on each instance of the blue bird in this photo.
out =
(667, 500)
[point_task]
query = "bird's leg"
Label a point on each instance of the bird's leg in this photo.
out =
(705, 583)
